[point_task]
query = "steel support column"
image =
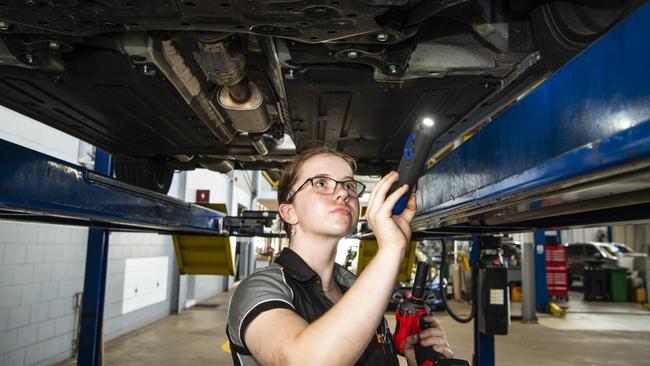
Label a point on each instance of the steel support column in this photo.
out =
(528, 305)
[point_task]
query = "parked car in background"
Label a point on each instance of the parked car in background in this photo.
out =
(581, 254)
(611, 249)
(626, 257)
(622, 249)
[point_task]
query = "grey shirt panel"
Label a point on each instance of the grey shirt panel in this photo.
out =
(265, 286)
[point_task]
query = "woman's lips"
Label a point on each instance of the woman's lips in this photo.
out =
(342, 209)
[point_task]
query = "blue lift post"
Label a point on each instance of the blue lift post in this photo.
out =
(541, 287)
(483, 343)
(610, 234)
(574, 151)
(90, 350)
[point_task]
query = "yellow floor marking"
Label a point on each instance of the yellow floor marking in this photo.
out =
(226, 347)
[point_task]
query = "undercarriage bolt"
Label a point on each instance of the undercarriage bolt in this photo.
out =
(382, 37)
(54, 45)
(148, 71)
(392, 69)
(353, 54)
(4, 25)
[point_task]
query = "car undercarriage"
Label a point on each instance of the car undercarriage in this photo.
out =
(168, 85)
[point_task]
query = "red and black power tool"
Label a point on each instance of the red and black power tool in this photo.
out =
(410, 320)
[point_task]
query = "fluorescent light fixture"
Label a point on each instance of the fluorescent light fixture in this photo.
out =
(428, 122)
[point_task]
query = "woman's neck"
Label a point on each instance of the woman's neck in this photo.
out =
(318, 253)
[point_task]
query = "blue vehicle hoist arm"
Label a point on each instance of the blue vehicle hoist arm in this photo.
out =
(573, 151)
(37, 187)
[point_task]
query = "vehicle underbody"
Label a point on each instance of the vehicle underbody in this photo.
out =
(168, 85)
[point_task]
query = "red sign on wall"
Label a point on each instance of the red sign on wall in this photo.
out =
(202, 196)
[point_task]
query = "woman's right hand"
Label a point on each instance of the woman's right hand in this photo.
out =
(390, 231)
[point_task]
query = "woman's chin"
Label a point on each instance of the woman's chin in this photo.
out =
(340, 231)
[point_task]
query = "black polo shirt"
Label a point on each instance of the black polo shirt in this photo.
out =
(290, 283)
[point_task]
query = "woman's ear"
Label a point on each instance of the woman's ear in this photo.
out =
(287, 213)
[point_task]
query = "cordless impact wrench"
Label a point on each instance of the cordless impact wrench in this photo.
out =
(410, 320)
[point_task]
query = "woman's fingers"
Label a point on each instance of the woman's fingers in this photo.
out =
(432, 332)
(433, 341)
(411, 207)
(445, 351)
(390, 202)
(435, 337)
(382, 188)
(412, 339)
(378, 194)
(373, 195)
(439, 344)
(405, 218)
(432, 320)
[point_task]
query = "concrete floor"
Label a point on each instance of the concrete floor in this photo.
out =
(197, 337)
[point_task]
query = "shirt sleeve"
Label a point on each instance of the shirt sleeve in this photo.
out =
(263, 290)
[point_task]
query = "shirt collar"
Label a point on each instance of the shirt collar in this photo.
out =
(295, 267)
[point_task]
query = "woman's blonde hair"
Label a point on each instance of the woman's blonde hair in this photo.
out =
(291, 173)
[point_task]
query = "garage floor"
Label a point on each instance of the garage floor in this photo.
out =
(619, 334)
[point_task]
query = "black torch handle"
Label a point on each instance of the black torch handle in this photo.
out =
(414, 158)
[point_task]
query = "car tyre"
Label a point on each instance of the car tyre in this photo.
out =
(564, 28)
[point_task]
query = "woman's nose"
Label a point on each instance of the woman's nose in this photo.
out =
(340, 191)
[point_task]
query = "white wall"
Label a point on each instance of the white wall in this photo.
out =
(636, 236)
(203, 179)
(26, 132)
(125, 246)
(584, 234)
(568, 235)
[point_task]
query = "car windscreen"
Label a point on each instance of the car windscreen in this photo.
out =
(622, 248)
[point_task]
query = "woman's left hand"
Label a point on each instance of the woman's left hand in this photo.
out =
(430, 337)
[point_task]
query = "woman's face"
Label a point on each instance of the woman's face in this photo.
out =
(333, 215)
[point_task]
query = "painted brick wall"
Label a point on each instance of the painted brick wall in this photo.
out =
(41, 270)
(136, 245)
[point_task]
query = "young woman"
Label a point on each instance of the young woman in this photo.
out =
(305, 309)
